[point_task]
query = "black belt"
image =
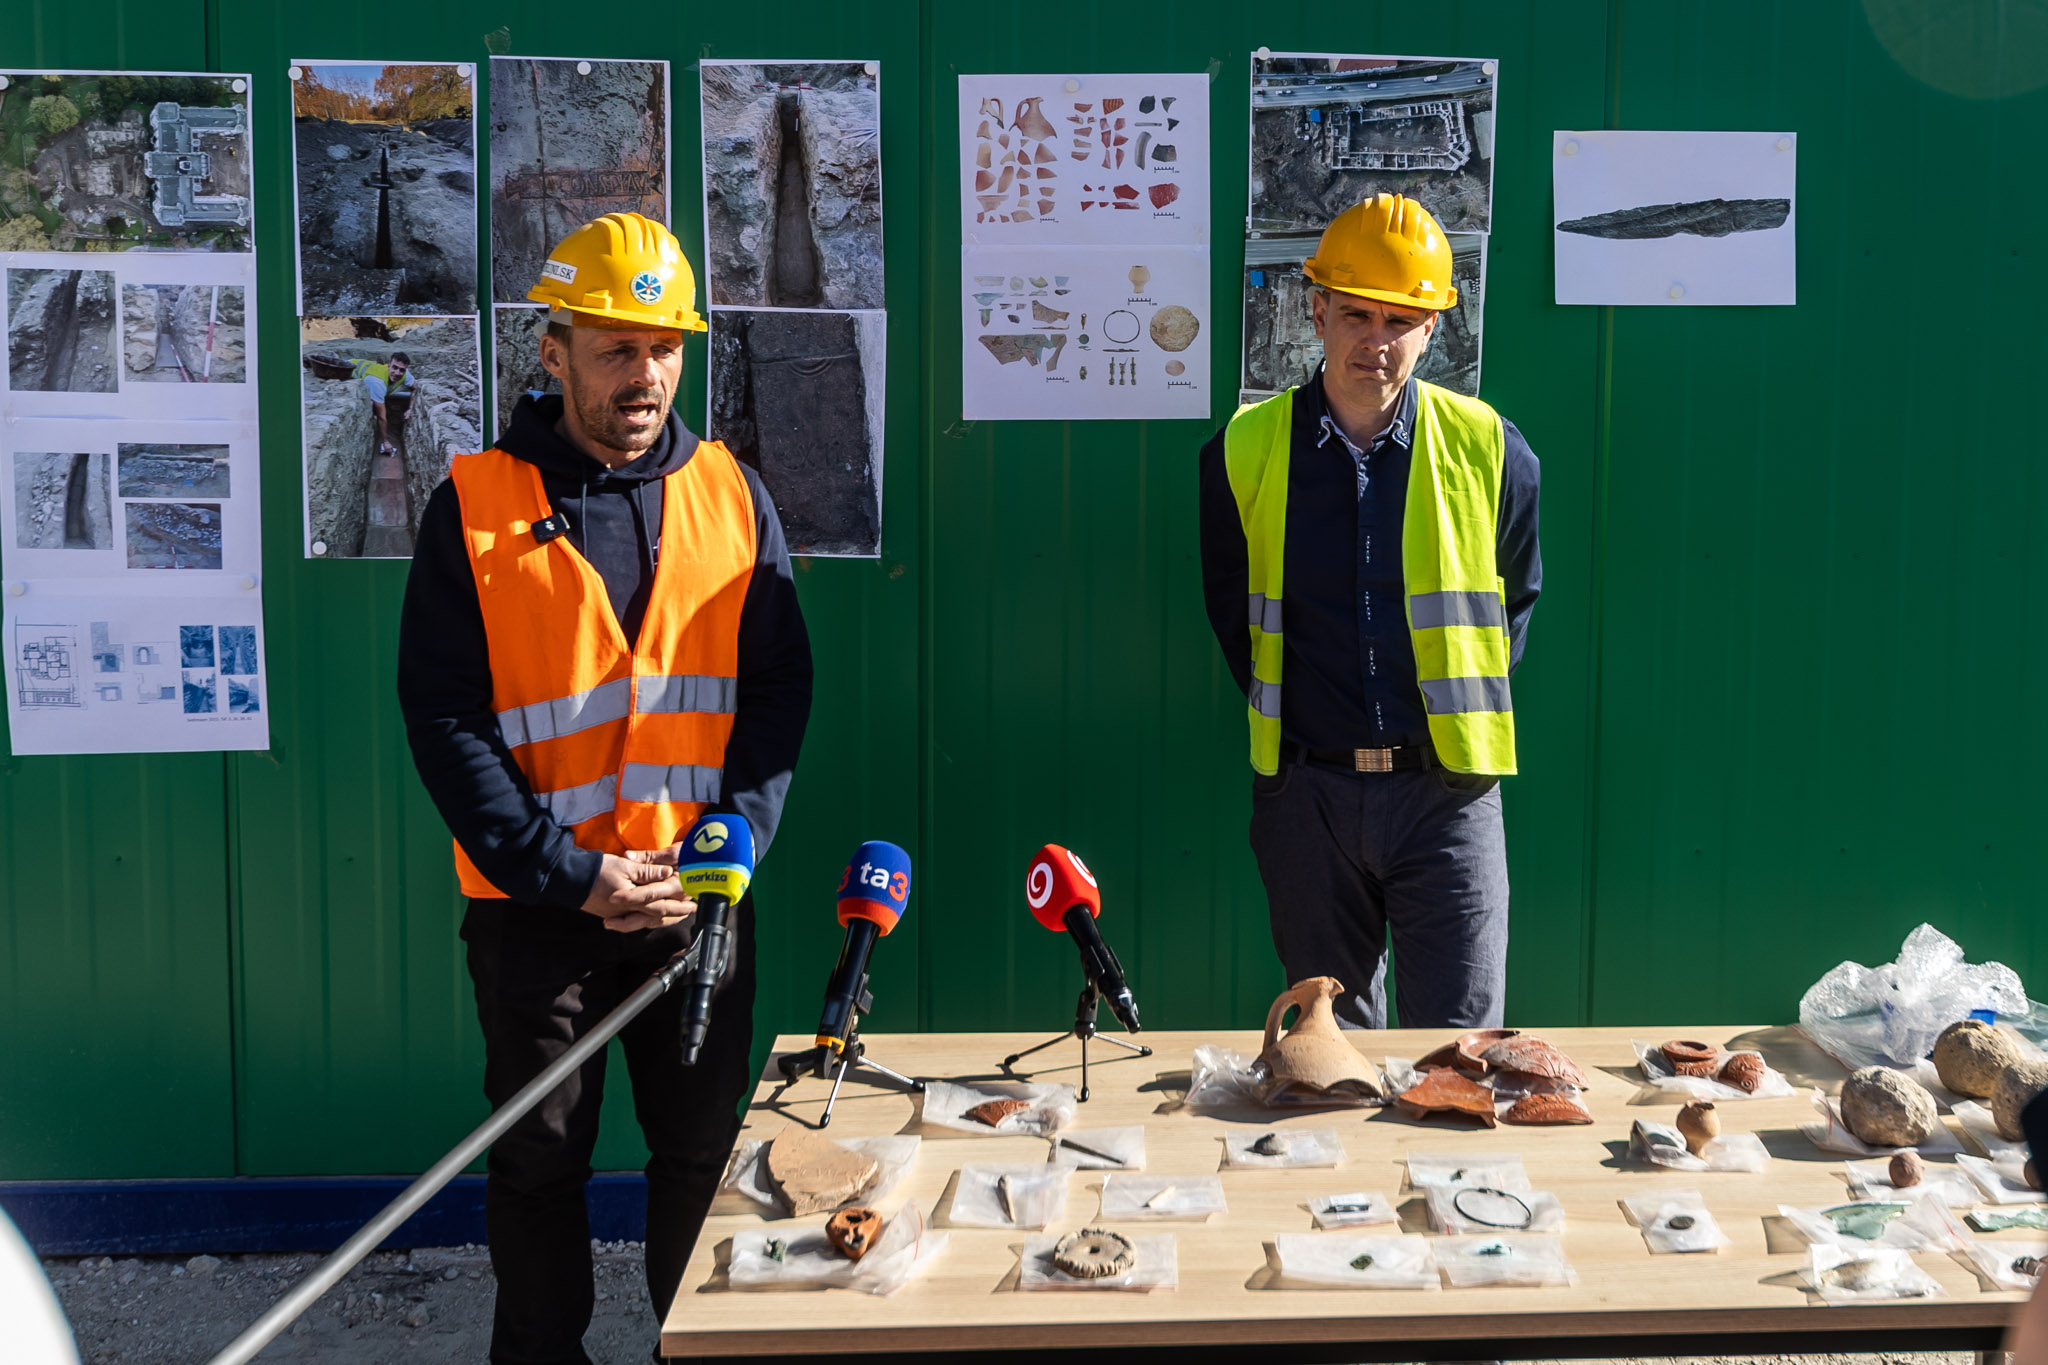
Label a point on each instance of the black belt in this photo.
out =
(1361, 760)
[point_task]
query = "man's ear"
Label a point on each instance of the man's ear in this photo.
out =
(554, 357)
(1318, 308)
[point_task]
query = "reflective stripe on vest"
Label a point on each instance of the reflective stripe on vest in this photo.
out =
(1457, 616)
(623, 746)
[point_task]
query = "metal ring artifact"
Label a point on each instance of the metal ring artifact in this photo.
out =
(1093, 1253)
(1502, 1216)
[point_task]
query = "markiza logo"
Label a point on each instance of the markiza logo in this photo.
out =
(1080, 867)
(1038, 886)
(710, 837)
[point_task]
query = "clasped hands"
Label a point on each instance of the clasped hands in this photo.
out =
(639, 890)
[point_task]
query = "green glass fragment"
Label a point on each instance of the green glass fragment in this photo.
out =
(1864, 1221)
(1995, 1220)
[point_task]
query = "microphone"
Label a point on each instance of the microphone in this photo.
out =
(873, 892)
(714, 864)
(1062, 894)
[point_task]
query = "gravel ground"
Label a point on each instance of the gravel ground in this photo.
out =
(425, 1306)
(414, 1308)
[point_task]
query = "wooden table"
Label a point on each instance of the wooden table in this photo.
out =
(1626, 1302)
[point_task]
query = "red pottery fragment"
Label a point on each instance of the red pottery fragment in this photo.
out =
(1443, 1090)
(1532, 1056)
(1554, 1108)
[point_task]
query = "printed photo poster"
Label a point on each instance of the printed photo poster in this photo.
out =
(129, 477)
(384, 184)
(571, 140)
(90, 670)
(1650, 218)
(1331, 130)
(1084, 229)
(795, 280)
(387, 403)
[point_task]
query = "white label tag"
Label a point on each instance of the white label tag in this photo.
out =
(554, 269)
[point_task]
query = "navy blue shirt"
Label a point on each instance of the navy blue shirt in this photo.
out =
(1348, 672)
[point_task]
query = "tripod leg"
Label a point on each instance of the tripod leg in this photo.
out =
(1083, 1096)
(845, 1065)
(1054, 1041)
(1130, 1047)
(897, 1076)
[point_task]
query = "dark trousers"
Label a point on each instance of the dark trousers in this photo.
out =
(1350, 859)
(543, 978)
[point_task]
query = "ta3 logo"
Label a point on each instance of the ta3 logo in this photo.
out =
(896, 884)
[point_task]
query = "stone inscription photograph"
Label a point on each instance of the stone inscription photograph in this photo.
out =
(793, 184)
(112, 161)
(388, 402)
(385, 172)
(570, 141)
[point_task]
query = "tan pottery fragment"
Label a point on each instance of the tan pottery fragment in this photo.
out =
(1532, 1056)
(1314, 1058)
(1699, 1123)
(814, 1172)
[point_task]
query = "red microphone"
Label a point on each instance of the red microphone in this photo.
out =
(1062, 894)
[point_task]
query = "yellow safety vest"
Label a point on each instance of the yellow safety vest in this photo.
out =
(1457, 608)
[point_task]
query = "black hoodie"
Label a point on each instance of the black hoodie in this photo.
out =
(444, 666)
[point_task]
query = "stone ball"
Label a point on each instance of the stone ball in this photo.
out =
(1887, 1108)
(1970, 1054)
(2016, 1088)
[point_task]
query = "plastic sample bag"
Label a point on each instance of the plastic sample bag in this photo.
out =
(1352, 1210)
(1905, 1224)
(1472, 1262)
(1660, 1144)
(1225, 1079)
(1047, 1108)
(1297, 1147)
(1480, 1210)
(1186, 1197)
(1845, 1275)
(1676, 1221)
(1891, 1015)
(1872, 1179)
(1662, 1076)
(1427, 1170)
(2000, 1179)
(746, 1185)
(2001, 1220)
(1980, 1128)
(1154, 1265)
(2007, 1265)
(1009, 1196)
(1830, 1134)
(1101, 1149)
(1384, 1262)
(802, 1258)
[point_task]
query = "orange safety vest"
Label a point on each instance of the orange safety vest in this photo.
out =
(624, 745)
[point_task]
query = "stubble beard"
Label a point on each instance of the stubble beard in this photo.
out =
(604, 426)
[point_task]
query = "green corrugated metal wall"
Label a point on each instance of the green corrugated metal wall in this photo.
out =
(1776, 707)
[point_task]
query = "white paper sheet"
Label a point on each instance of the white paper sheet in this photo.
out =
(1725, 201)
(144, 669)
(1084, 263)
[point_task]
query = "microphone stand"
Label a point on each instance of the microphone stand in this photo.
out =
(849, 1054)
(1083, 1029)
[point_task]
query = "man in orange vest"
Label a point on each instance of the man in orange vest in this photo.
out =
(601, 642)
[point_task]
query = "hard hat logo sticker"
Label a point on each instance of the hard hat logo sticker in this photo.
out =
(554, 269)
(647, 287)
(711, 837)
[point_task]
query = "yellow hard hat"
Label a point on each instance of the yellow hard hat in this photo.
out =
(1386, 248)
(624, 267)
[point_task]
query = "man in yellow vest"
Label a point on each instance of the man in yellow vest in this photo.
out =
(391, 388)
(600, 642)
(1369, 561)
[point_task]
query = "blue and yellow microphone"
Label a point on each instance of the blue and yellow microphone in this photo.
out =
(715, 862)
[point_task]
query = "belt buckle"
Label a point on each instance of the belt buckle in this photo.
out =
(1372, 760)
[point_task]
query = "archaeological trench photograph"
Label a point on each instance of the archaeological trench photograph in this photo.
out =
(119, 161)
(799, 397)
(570, 141)
(1281, 349)
(144, 470)
(385, 167)
(62, 502)
(793, 184)
(60, 331)
(182, 334)
(515, 353)
(173, 535)
(1330, 131)
(366, 484)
